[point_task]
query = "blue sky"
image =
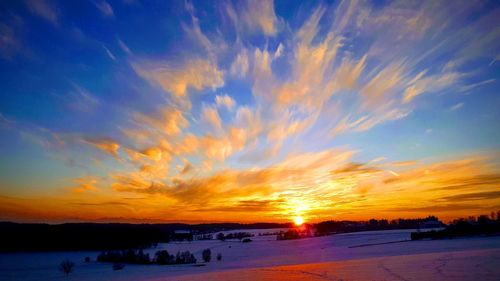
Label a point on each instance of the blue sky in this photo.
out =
(228, 106)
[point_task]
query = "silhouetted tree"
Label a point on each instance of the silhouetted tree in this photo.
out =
(206, 255)
(66, 266)
(163, 257)
(184, 257)
(221, 237)
(142, 258)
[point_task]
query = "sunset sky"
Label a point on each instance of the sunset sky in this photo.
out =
(246, 111)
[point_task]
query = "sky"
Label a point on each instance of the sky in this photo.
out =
(248, 111)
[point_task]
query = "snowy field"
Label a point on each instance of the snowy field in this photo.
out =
(376, 255)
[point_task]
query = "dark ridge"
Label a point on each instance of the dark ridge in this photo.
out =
(19, 237)
(463, 228)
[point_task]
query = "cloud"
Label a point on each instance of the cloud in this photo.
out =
(332, 70)
(261, 14)
(472, 196)
(198, 192)
(210, 115)
(153, 153)
(241, 186)
(240, 65)
(81, 99)
(44, 10)
(475, 85)
(213, 47)
(84, 184)
(187, 168)
(197, 74)
(167, 120)
(108, 52)
(102, 204)
(107, 145)
(457, 106)
(459, 209)
(254, 16)
(10, 45)
(225, 101)
(105, 9)
(124, 47)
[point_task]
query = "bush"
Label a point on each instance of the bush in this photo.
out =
(246, 240)
(87, 259)
(184, 257)
(288, 235)
(128, 256)
(221, 236)
(66, 266)
(219, 256)
(118, 266)
(163, 257)
(142, 258)
(206, 255)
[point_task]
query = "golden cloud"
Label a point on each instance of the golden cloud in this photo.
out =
(197, 74)
(107, 145)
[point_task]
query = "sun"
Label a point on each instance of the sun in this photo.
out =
(298, 220)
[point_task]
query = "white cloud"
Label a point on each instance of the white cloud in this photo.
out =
(124, 47)
(255, 15)
(240, 65)
(108, 52)
(457, 106)
(105, 9)
(44, 9)
(225, 101)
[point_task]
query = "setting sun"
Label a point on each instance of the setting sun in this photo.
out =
(298, 220)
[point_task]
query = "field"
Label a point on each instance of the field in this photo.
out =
(377, 255)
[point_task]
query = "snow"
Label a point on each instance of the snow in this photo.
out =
(344, 256)
(466, 265)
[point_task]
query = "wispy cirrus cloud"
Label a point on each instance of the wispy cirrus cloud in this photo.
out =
(108, 146)
(10, 44)
(254, 16)
(456, 106)
(105, 9)
(197, 74)
(45, 10)
(84, 184)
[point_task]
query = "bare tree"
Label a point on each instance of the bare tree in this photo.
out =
(206, 255)
(66, 266)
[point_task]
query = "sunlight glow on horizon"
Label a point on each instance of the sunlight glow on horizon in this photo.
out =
(298, 220)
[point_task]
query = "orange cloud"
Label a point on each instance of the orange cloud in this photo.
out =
(167, 120)
(85, 184)
(211, 116)
(196, 74)
(107, 145)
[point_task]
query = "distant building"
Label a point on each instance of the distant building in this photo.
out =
(181, 235)
(431, 223)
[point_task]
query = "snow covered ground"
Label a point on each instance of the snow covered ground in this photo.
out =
(466, 265)
(380, 255)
